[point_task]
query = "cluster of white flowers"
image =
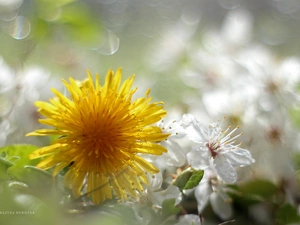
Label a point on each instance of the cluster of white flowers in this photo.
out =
(200, 147)
(18, 92)
(215, 152)
(230, 75)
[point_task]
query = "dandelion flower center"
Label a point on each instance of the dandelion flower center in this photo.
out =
(103, 131)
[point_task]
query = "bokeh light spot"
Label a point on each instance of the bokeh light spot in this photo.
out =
(110, 43)
(19, 28)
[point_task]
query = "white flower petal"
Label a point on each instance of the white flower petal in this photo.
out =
(189, 219)
(155, 181)
(239, 157)
(202, 192)
(224, 169)
(175, 129)
(172, 192)
(192, 128)
(198, 158)
(220, 207)
(175, 155)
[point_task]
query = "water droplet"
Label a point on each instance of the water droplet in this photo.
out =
(110, 43)
(19, 28)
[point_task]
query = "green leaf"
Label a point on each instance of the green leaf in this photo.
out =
(36, 182)
(188, 179)
(36, 178)
(195, 179)
(252, 192)
(29, 202)
(287, 214)
(296, 160)
(21, 167)
(18, 154)
(295, 116)
(4, 165)
(262, 188)
(5, 162)
(169, 208)
(26, 208)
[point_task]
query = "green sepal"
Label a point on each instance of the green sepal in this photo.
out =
(287, 214)
(188, 179)
(4, 165)
(169, 208)
(18, 154)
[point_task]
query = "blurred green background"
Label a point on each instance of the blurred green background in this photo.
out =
(149, 38)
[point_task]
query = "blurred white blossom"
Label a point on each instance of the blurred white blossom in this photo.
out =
(189, 219)
(18, 92)
(7, 77)
(274, 82)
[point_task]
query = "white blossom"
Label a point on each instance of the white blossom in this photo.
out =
(215, 149)
(153, 197)
(18, 92)
(176, 155)
(210, 190)
(156, 195)
(189, 219)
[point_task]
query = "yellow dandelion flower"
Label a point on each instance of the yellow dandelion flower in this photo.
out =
(103, 131)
